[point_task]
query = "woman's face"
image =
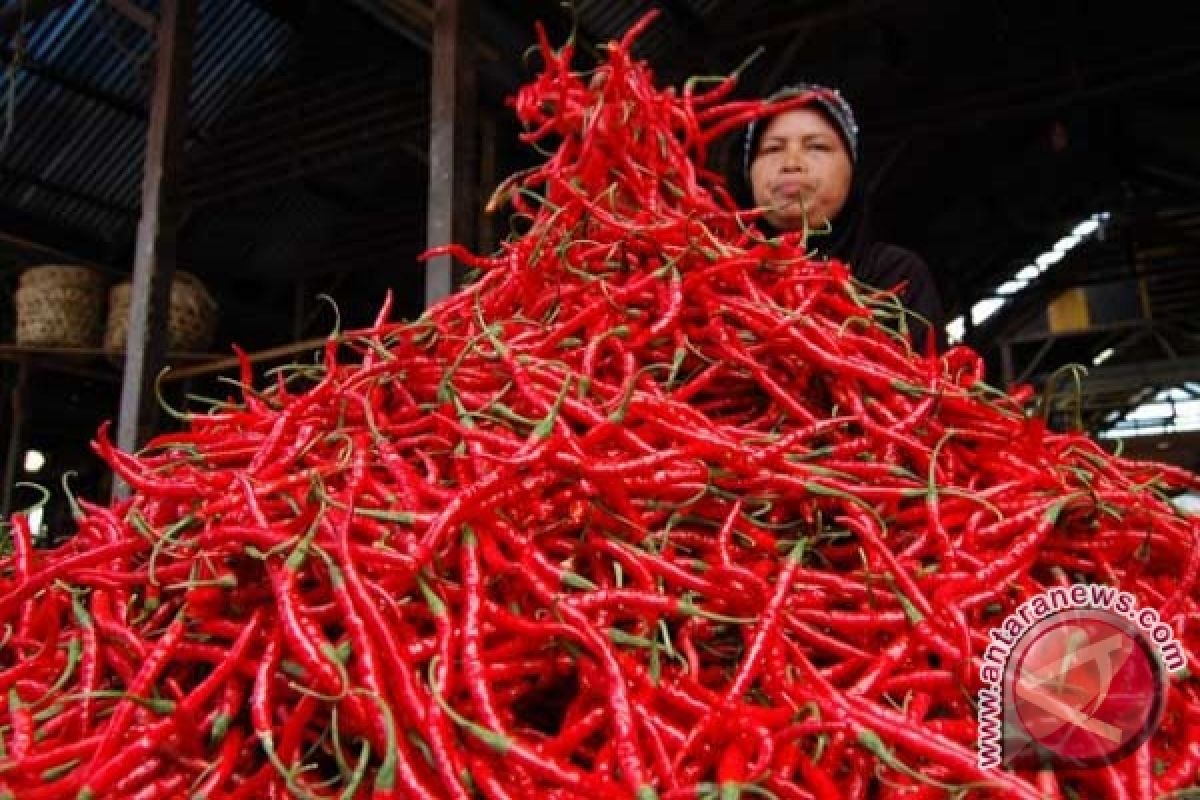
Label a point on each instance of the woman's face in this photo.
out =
(801, 171)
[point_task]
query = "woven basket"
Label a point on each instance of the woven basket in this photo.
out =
(62, 276)
(59, 316)
(191, 318)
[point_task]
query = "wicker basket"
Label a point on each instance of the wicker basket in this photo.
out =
(191, 319)
(62, 276)
(59, 316)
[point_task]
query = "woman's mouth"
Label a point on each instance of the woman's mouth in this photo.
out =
(793, 190)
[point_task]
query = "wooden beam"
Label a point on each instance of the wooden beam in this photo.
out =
(81, 88)
(30, 234)
(30, 247)
(143, 19)
(452, 144)
(154, 256)
(68, 192)
(232, 363)
(77, 355)
(18, 14)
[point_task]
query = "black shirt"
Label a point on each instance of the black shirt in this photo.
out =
(887, 267)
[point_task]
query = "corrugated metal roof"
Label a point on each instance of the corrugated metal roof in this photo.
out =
(607, 20)
(74, 160)
(683, 26)
(70, 155)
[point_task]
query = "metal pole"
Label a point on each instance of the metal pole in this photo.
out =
(452, 142)
(154, 259)
(16, 435)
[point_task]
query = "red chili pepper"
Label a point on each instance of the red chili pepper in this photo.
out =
(595, 461)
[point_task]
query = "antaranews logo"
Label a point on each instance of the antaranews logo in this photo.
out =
(1074, 677)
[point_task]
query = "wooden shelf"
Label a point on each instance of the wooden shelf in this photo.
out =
(90, 362)
(224, 363)
(93, 352)
(98, 362)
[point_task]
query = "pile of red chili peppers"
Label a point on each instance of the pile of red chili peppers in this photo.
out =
(654, 508)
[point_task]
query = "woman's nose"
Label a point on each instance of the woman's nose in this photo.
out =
(793, 157)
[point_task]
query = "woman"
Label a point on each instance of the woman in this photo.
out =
(800, 166)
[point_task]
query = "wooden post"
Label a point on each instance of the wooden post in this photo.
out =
(486, 241)
(1006, 361)
(136, 15)
(19, 410)
(452, 143)
(154, 259)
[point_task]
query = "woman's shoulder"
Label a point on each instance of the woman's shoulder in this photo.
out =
(886, 261)
(888, 265)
